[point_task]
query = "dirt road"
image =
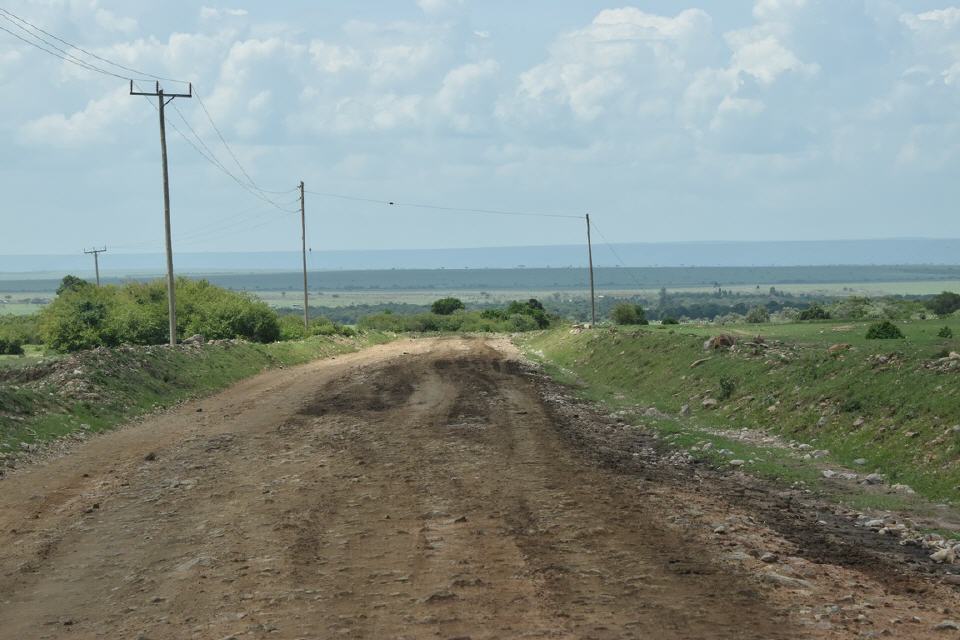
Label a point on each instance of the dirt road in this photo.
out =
(422, 489)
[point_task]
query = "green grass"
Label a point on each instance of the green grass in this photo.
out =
(129, 383)
(906, 409)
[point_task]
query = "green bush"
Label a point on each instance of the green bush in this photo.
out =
(944, 303)
(946, 332)
(669, 321)
(10, 346)
(517, 316)
(446, 306)
(727, 387)
(758, 315)
(884, 330)
(814, 312)
(84, 316)
(627, 314)
(22, 329)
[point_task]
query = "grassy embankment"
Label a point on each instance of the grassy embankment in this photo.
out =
(99, 389)
(897, 415)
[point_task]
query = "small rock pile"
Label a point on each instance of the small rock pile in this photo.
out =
(942, 550)
(949, 364)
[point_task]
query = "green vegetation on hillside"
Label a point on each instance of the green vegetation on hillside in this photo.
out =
(895, 405)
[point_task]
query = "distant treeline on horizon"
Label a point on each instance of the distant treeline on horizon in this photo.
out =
(542, 279)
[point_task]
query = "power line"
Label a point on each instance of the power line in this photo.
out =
(89, 53)
(465, 210)
(617, 255)
(65, 56)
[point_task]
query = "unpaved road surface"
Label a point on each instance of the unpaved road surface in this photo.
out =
(424, 489)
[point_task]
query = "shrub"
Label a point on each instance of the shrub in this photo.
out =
(291, 327)
(944, 303)
(727, 387)
(884, 330)
(71, 283)
(22, 329)
(10, 346)
(446, 306)
(758, 315)
(628, 314)
(84, 316)
(532, 308)
(814, 312)
(946, 332)
(669, 321)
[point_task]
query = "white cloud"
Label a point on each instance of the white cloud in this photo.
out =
(211, 13)
(96, 123)
(766, 58)
(112, 22)
(438, 6)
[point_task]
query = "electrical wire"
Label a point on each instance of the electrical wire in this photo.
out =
(617, 256)
(81, 49)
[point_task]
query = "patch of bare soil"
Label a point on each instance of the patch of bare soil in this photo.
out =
(428, 489)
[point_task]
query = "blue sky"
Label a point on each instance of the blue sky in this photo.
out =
(667, 121)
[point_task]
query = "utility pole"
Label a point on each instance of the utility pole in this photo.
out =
(96, 262)
(593, 299)
(303, 240)
(163, 99)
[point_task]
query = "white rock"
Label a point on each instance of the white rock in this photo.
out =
(874, 478)
(944, 556)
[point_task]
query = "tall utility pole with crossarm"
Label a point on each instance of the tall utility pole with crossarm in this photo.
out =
(96, 261)
(163, 99)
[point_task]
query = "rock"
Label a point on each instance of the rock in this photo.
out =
(194, 339)
(820, 453)
(827, 473)
(859, 422)
(720, 530)
(952, 578)
(685, 411)
(697, 363)
(722, 341)
(805, 447)
(737, 463)
(822, 422)
(769, 557)
(150, 457)
(785, 581)
(860, 462)
(874, 524)
(874, 478)
(944, 556)
(903, 488)
(709, 403)
(839, 348)
(947, 625)
(440, 596)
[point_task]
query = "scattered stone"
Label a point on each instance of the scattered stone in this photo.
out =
(737, 463)
(903, 488)
(944, 556)
(952, 578)
(860, 462)
(709, 403)
(874, 478)
(440, 596)
(685, 411)
(947, 625)
(859, 422)
(769, 557)
(820, 453)
(697, 363)
(785, 581)
(150, 457)
(827, 473)
(822, 422)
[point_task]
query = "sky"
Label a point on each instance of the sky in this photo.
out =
(666, 121)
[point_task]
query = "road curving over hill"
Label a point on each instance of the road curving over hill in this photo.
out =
(431, 488)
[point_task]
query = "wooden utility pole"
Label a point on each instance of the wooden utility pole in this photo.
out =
(163, 99)
(593, 299)
(303, 240)
(96, 261)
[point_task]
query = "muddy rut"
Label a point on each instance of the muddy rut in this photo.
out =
(422, 489)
